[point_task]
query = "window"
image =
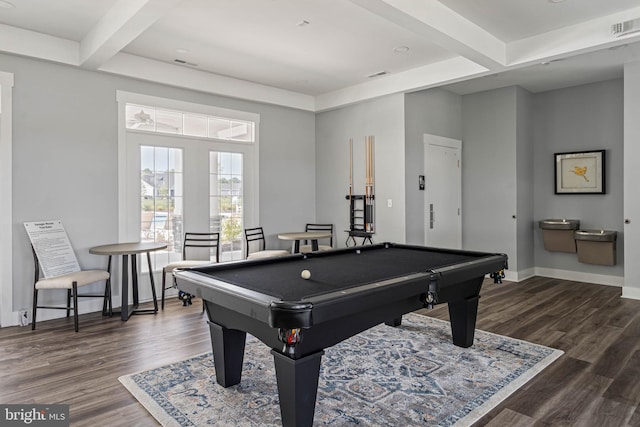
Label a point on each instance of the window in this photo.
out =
(161, 196)
(152, 119)
(226, 202)
(185, 167)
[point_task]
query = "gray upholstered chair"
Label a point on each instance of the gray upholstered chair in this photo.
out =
(318, 227)
(194, 242)
(255, 245)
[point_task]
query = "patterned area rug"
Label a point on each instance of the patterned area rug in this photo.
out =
(407, 376)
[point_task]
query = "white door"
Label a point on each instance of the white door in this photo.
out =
(443, 192)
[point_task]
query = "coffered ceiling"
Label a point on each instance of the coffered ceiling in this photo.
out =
(321, 54)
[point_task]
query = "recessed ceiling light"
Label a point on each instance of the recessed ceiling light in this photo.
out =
(401, 49)
(182, 50)
(378, 74)
(556, 1)
(183, 62)
(4, 4)
(550, 61)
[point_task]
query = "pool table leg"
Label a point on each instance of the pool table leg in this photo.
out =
(297, 387)
(395, 322)
(463, 320)
(228, 353)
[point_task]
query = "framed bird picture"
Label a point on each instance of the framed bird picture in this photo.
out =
(580, 172)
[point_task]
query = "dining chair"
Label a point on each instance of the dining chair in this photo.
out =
(54, 272)
(255, 245)
(194, 243)
(306, 247)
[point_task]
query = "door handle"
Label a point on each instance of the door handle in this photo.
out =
(432, 216)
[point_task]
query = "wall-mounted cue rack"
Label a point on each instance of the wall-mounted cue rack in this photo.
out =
(361, 206)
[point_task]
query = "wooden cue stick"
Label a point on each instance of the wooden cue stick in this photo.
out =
(350, 168)
(373, 163)
(367, 152)
(369, 161)
(372, 169)
(366, 182)
(371, 176)
(369, 171)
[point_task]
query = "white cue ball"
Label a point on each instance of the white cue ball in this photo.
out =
(306, 274)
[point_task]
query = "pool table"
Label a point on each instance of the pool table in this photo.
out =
(350, 290)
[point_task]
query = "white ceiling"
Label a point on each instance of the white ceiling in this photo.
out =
(319, 54)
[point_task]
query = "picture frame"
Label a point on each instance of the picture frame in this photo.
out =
(580, 172)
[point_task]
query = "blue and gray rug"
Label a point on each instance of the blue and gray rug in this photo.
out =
(407, 376)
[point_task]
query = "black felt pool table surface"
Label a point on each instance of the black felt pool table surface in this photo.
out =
(281, 278)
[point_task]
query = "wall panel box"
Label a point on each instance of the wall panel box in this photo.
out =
(596, 246)
(558, 234)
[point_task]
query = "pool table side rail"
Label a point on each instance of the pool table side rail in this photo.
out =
(480, 267)
(373, 294)
(251, 303)
(325, 307)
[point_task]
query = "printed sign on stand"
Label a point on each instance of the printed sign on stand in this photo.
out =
(52, 246)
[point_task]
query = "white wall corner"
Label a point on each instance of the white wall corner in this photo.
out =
(631, 293)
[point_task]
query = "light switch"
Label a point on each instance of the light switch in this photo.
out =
(389, 203)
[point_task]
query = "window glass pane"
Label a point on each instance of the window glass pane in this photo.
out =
(140, 117)
(161, 202)
(195, 125)
(225, 195)
(219, 128)
(224, 165)
(143, 117)
(175, 166)
(241, 131)
(168, 121)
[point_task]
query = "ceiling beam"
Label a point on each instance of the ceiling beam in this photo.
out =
(448, 71)
(125, 21)
(124, 64)
(572, 40)
(442, 26)
(23, 42)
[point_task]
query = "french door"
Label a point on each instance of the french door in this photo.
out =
(179, 184)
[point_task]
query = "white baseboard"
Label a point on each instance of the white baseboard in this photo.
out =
(519, 276)
(88, 305)
(578, 276)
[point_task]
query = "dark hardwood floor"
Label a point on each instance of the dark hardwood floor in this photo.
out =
(595, 383)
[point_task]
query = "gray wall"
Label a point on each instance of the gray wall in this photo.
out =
(587, 117)
(384, 119)
(489, 172)
(524, 184)
(435, 112)
(631, 178)
(65, 158)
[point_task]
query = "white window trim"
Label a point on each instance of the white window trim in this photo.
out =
(125, 232)
(7, 316)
